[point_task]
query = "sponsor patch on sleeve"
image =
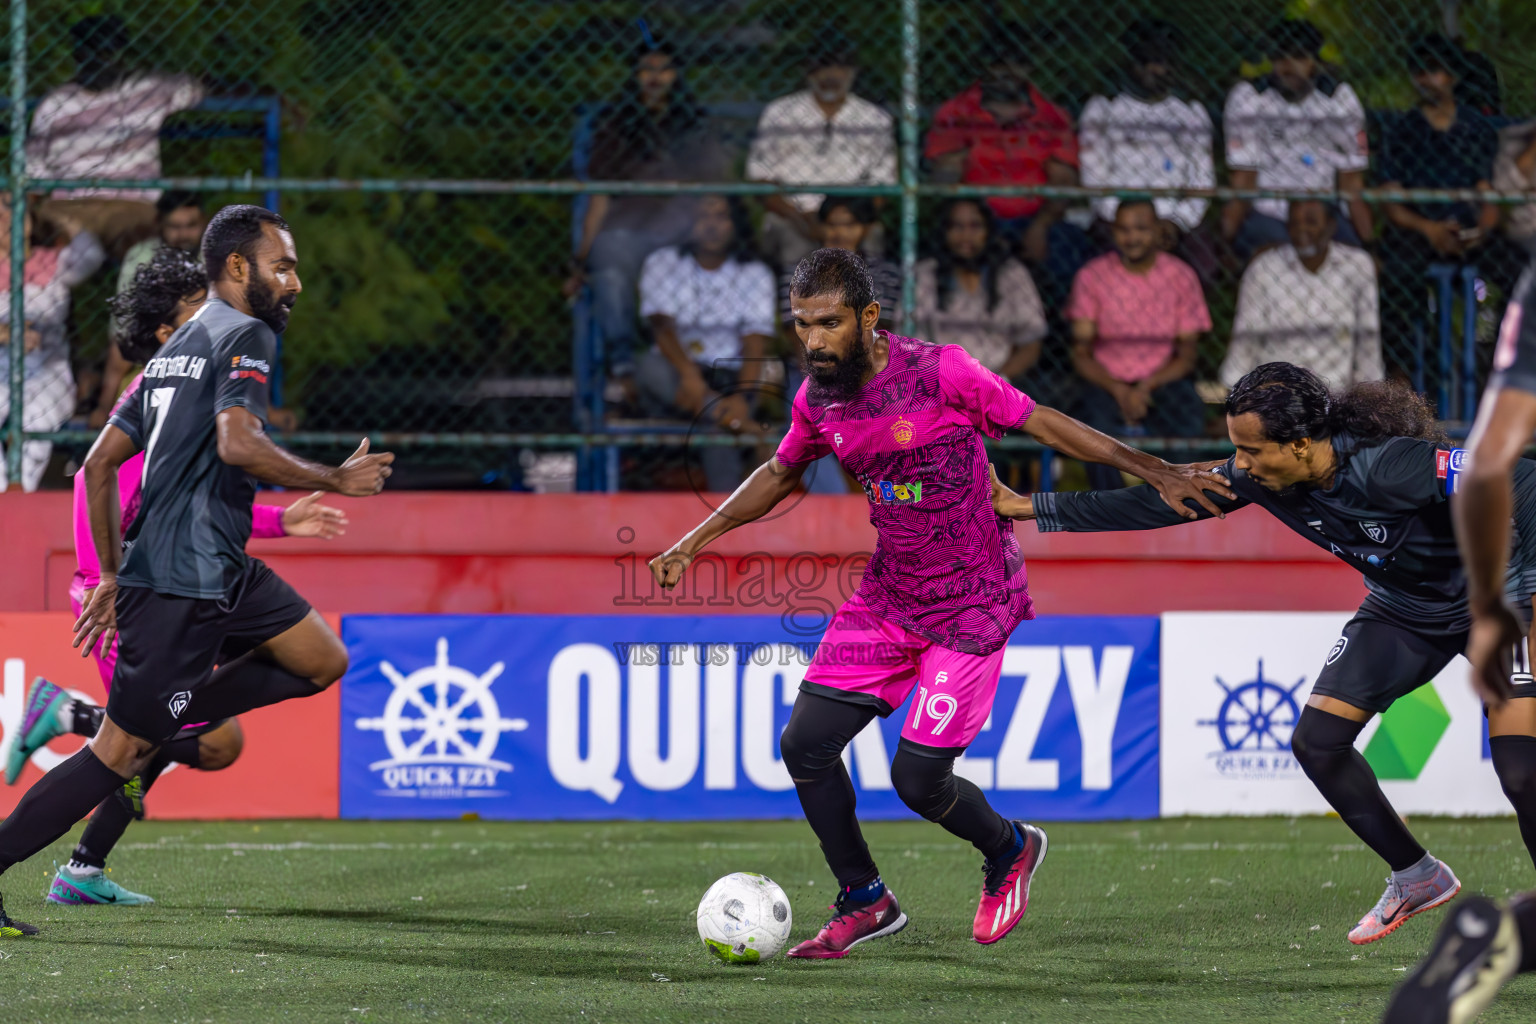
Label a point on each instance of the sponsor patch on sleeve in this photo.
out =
(1449, 466)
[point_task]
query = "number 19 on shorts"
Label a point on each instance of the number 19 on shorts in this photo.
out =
(940, 707)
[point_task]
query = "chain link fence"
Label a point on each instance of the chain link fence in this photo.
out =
(547, 244)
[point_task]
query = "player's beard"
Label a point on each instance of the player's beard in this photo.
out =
(838, 378)
(269, 306)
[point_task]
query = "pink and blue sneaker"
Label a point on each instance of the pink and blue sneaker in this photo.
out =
(39, 724)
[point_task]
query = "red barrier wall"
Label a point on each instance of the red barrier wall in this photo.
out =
(585, 554)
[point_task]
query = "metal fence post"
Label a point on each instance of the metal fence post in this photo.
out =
(18, 236)
(909, 153)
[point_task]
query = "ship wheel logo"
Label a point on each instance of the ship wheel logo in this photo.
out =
(1259, 715)
(430, 711)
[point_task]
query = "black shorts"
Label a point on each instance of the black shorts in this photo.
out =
(168, 646)
(1377, 661)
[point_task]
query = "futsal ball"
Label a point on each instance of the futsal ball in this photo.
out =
(744, 918)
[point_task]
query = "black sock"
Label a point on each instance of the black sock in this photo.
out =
(1324, 745)
(812, 747)
(245, 684)
(1514, 759)
(1524, 909)
(181, 750)
(87, 718)
(930, 787)
(112, 817)
(54, 804)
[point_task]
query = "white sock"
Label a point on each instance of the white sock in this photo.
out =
(80, 870)
(66, 717)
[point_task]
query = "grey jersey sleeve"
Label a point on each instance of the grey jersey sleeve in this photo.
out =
(1520, 583)
(1130, 508)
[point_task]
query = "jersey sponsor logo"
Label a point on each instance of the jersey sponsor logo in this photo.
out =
(175, 366)
(1449, 466)
(247, 368)
(248, 363)
(1375, 531)
(1338, 650)
(178, 703)
(887, 493)
(903, 430)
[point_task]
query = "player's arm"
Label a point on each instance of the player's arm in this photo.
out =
(243, 442)
(1177, 485)
(1129, 508)
(768, 485)
(98, 617)
(1482, 509)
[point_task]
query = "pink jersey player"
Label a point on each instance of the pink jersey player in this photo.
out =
(939, 598)
(946, 584)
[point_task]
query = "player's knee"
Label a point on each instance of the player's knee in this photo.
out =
(1321, 739)
(925, 784)
(806, 756)
(332, 666)
(221, 748)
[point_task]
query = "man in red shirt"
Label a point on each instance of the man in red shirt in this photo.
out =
(1002, 131)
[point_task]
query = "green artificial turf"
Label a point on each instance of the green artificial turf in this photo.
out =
(1184, 920)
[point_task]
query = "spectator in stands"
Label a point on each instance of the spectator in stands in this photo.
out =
(974, 294)
(1137, 315)
(709, 303)
(1149, 137)
(1514, 170)
(655, 131)
(1438, 144)
(1295, 128)
(180, 218)
(821, 134)
(847, 222)
(48, 387)
(105, 123)
(1003, 131)
(1309, 302)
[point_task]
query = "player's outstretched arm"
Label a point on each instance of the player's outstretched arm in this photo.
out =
(768, 485)
(1178, 485)
(1482, 506)
(244, 443)
(98, 616)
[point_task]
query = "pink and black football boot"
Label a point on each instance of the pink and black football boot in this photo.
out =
(1005, 886)
(851, 924)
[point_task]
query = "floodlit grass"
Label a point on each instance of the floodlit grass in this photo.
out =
(1202, 920)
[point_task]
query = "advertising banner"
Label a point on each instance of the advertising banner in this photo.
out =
(678, 717)
(1234, 684)
(287, 768)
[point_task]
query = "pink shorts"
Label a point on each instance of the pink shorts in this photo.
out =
(106, 662)
(870, 660)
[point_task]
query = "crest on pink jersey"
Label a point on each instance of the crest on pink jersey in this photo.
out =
(903, 431)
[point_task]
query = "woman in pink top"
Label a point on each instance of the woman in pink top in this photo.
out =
(165, 294)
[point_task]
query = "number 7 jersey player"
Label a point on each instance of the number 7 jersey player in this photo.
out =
(942, 592)
(179, 591)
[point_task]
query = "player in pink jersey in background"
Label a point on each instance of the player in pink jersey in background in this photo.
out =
(164, 294)
(943, 590)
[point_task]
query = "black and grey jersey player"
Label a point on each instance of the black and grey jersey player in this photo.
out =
(181, 595)
(1484, 944)
(1366, 475)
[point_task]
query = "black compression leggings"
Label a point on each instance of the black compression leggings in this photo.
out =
(812, 747)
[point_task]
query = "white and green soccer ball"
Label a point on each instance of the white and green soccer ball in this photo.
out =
(744, 918)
